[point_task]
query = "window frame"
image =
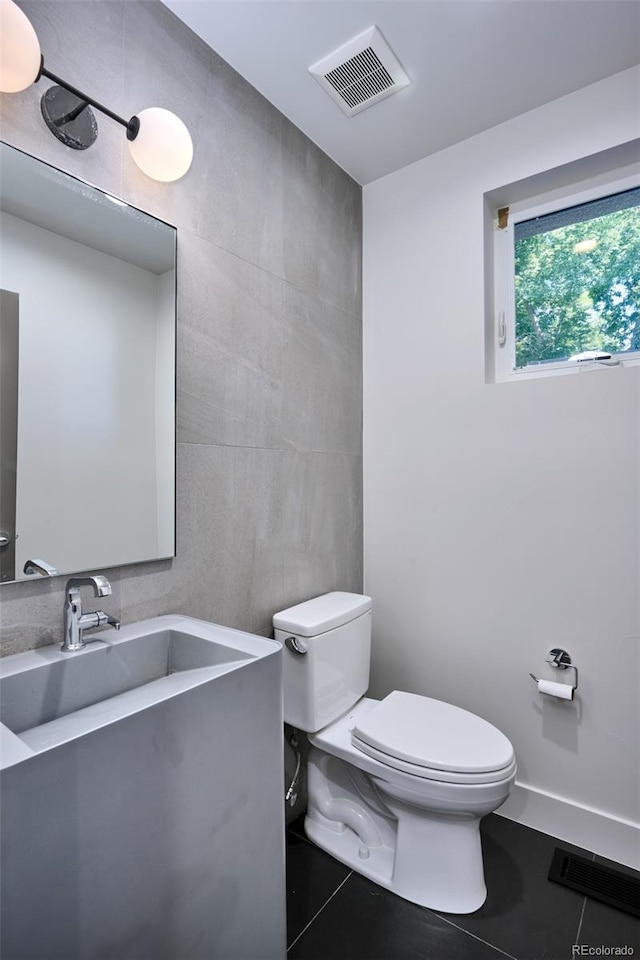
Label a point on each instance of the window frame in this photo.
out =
(504, 277)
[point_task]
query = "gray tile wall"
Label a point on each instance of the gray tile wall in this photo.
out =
(269, 325)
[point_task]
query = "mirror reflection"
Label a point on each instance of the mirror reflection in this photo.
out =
(87, 376)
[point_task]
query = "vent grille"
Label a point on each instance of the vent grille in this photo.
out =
(361, 72)
(360, 78)
(618, 889)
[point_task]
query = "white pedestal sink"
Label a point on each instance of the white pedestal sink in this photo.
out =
(142, 810)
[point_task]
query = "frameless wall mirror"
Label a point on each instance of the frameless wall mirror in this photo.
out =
(87, 376)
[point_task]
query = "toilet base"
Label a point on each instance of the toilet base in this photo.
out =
(432, 859)
(345, 846)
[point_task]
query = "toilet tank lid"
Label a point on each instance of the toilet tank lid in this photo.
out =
(321, 614)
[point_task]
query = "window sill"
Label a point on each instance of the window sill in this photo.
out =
(568, 368)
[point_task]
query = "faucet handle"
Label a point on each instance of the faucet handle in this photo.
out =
(98, 618)
(106, 618)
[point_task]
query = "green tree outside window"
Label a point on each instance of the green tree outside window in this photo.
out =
(577, 289)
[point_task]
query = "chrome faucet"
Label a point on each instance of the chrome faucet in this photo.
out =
(75, 621)
(40, 567)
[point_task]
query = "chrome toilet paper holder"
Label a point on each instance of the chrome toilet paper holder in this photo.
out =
(561, 660)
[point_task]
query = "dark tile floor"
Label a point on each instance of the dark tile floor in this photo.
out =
(335, 914)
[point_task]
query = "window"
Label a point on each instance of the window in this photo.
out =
(568, 282)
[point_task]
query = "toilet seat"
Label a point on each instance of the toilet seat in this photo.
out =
(433, 740)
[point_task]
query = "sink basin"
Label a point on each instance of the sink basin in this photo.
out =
(142, 813)
(48, 697)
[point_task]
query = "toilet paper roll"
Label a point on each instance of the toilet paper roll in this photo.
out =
(564, 691)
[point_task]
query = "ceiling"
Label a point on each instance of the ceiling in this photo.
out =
(472, 64)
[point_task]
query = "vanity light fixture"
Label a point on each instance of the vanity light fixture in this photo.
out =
(159, 142)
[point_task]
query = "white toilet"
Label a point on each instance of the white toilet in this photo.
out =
(396, 787)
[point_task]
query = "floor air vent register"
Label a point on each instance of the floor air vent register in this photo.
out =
(613, 887)
(361, 72)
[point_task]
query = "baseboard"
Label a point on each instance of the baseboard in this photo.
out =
(564, 819)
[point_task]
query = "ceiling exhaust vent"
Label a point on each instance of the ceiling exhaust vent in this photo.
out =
(360, 72)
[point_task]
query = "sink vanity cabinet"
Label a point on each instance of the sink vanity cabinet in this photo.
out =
(142, 812)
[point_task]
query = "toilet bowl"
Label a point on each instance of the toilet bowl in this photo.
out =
(397, 787)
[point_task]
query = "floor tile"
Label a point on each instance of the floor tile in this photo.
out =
(604, 926)
(525, 914)
(312, 877)
(365, 922)
(297, 827)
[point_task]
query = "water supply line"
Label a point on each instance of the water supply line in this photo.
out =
(292, 793)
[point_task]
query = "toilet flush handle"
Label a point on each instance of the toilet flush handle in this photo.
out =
(295, 645)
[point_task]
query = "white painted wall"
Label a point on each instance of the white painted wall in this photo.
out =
(87, 441)
(503, 519)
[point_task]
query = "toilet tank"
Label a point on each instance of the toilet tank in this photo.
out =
(327, 649)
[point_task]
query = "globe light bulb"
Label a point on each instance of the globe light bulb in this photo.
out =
(19, 49)
(163, 148)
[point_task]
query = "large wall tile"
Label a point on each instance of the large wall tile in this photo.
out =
(322, 388)
(232, 195)
(242, 191)
(322, 224)
(81, 41)
(188, 583)
(230, 341)
(323, 517)
(229, 562)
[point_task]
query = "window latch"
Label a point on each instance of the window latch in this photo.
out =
(502, 329)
